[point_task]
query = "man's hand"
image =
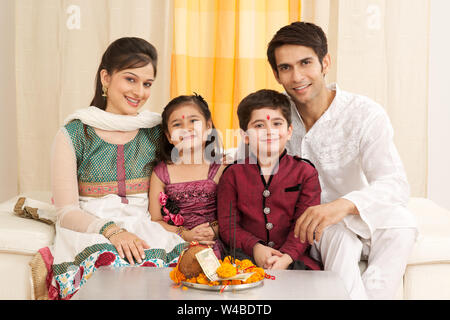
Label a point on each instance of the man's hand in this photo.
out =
(315, 219)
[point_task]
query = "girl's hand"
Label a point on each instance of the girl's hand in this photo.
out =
(129, 245)
(202, 232)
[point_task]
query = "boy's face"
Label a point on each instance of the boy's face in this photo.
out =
(267, 132)
(300, 72)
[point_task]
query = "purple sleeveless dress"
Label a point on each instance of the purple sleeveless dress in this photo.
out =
(195, 199)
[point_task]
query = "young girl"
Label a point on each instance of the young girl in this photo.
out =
(183, 185)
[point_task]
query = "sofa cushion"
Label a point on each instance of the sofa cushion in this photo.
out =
(25, 236)
(20, 235)
(433, 242)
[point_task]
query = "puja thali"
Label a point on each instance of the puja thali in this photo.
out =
(222, 288)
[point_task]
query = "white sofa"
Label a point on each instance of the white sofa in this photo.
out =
(427, 275)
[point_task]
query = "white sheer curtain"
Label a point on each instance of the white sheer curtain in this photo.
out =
(379, 49)
(59, 44)
(8, 126)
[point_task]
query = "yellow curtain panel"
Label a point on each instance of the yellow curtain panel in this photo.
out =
(219, 52)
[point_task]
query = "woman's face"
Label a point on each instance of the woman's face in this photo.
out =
(128, 89)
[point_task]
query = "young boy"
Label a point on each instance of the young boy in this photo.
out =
(269, 190)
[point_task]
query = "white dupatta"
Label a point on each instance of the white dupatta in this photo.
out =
(98, 118)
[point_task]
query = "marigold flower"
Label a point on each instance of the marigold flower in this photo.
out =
(246, 263)
(202, 279)
(226, 270)
(192, 280)
(176, 275)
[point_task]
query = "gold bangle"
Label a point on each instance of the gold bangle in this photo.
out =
(108, 226)
(115, 232)
(180, 231)
(214, 223)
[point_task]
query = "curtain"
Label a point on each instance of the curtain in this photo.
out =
(219, 52)
(58, 49)
(379, 48)
(8, 125)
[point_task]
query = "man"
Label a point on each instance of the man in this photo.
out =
(349, 139)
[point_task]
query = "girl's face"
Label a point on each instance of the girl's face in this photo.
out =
(128, 89)
(187, 128)
(267, 132)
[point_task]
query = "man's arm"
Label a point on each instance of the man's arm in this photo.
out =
(387, 186)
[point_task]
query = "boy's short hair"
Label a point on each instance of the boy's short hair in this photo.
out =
(298, 33)
(264, 98)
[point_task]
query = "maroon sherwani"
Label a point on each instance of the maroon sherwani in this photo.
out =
(266, 212)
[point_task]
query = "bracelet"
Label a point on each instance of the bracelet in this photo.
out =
(116, 232)
(180, 231)
(106, 227)
(213, 224)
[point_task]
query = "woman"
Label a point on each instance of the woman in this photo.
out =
(101, 164)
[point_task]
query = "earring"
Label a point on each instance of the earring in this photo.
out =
(105, 92)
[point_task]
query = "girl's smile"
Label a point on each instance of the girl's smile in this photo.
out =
(188, 129)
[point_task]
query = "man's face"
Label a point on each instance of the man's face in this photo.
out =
(300, 72)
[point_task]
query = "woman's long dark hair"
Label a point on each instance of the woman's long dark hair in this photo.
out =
(124, 53)
(165, 150)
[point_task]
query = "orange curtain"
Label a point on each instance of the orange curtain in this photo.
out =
(219, 52)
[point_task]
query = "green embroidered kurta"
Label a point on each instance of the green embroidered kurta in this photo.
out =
(98, 168)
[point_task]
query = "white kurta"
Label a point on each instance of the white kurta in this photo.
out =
(352, 148)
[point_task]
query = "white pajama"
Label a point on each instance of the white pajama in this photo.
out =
(352, 147)
(340, 249)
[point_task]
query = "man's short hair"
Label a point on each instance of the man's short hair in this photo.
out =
(298, 33)
(264, 98)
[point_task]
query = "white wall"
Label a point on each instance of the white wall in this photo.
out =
(439, 104)
(8, 123)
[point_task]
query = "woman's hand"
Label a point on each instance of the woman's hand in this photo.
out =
(202, 232)
(129, 245)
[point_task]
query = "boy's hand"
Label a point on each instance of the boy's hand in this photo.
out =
(262, 253)
(279, 263)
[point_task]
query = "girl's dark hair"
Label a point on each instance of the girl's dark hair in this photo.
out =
(213, 140)
(124, 53)
(298, 33)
